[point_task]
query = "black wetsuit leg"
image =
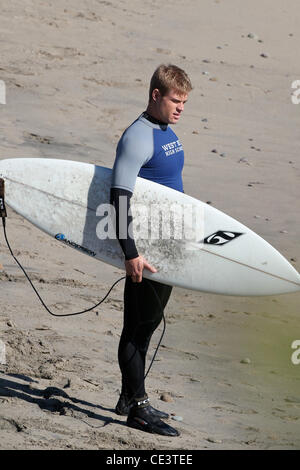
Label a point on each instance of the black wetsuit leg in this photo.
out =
(142, 314)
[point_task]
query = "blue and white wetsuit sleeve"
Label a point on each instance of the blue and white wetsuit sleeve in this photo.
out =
(135, 148)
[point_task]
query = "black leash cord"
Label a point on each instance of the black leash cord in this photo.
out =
(91, 308)
(40, 298)
(161, 337)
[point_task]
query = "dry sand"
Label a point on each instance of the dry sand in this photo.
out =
(77, 74)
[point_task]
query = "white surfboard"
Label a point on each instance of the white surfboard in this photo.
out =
(198, 247)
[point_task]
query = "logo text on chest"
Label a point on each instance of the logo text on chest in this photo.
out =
(172, 147)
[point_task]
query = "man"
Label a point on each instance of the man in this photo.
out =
(142, 152)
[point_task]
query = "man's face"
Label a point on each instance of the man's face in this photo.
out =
(170, 106)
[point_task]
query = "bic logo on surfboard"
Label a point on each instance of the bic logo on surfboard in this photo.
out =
(221, 238)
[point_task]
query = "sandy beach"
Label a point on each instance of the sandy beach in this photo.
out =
(76, 75)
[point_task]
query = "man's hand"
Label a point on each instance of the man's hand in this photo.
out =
(134, 268)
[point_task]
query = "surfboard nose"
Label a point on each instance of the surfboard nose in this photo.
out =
(287, 273)
(294, 278)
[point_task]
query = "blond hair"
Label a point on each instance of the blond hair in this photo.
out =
(170, 77)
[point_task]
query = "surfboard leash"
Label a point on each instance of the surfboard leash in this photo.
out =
(37, 293)
(88, 309)
(3, 215)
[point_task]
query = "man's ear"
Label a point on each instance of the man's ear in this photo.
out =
(156, 94)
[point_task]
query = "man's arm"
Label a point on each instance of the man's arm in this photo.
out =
(134, 263)
(134, 150)
(127, 243)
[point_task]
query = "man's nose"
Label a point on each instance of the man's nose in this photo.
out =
(180, 107)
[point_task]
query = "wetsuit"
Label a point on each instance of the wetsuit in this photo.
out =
(151, 150)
